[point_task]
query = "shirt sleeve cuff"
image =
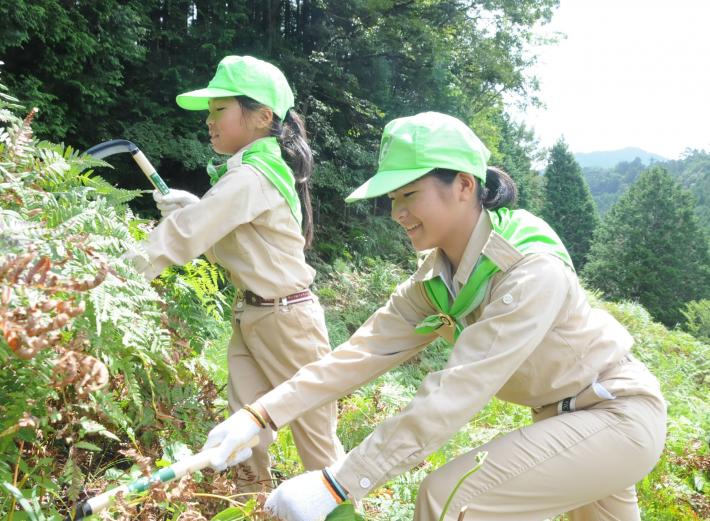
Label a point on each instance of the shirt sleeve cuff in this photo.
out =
(281, 409)
(153, 269)
(355, 475)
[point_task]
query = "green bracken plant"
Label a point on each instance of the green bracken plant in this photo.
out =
(99, 367)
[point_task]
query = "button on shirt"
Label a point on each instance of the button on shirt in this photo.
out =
(534, 340)
(242, 223)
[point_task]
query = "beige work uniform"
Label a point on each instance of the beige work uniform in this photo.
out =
(533, 341)
(245, 225)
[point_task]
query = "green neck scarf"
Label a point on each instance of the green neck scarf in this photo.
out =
(265, 156)
(527, 233)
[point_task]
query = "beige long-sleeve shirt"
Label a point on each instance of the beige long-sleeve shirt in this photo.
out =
(533, 341)
(245, 225)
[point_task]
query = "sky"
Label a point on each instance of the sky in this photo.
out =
(629, 73)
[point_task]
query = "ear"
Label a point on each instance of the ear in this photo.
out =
(264, 118)
(466, 185)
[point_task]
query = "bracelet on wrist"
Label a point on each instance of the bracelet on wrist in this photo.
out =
(258, 417)
(337, 488)
(330, 489)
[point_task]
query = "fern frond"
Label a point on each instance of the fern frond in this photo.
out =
(103, 187)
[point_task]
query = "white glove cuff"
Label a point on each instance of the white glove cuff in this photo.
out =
(305, 497)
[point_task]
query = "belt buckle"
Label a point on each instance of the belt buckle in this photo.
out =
(239, 299)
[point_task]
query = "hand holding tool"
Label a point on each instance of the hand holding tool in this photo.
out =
(175, 471)
(173, 200)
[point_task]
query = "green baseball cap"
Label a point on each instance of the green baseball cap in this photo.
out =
(414, 146)
(243, 76)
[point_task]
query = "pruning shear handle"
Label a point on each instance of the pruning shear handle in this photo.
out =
(119, 146)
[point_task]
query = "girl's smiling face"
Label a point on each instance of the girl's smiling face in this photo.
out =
(435, 214)
(231, 127)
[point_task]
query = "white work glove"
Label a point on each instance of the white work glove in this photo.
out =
(303, 498)
(173, 200)
(229, 440)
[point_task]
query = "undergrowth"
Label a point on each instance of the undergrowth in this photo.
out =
(102, 372)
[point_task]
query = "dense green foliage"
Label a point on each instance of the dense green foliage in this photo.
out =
(97, 368)
(568, 205)
(607, 185)
(517, 149)
(697, 319)
(650, 248)
(110, 69)
(692, 171)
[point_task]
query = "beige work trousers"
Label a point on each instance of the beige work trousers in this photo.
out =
(585, 463)
(268, 346)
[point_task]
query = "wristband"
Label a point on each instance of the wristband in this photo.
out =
(258, 417)
(339, 491)
(330, 489)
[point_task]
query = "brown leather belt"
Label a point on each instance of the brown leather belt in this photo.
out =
(255, 300)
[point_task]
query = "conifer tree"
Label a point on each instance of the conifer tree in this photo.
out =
(569, 207)
(517, 148)
(650, 248)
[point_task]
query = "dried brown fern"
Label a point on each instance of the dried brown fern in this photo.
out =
(29, 328)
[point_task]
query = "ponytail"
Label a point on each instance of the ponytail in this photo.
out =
(499, 191)
(291, 136)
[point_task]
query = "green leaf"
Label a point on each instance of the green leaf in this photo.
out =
(33, 513)
(237, 513)
(161, 463)
(344, 512)
(231, 514)
(91, 426)
(88, 446)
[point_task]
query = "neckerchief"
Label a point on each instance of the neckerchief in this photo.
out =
(527, 233)
(265, 156)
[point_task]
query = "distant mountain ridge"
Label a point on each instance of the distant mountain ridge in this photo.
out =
(610, 158)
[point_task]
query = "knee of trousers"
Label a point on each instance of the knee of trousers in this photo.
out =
(438, 486)
(432, 495)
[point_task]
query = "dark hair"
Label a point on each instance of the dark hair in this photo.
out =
(499, 192)
(291, 135)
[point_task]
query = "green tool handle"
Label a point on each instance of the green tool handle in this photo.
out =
(150, 172)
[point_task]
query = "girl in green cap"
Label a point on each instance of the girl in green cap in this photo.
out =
(500, 287)
(250, 222)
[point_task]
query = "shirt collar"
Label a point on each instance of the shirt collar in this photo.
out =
(436, 264)
(236, 159)
(479, 237)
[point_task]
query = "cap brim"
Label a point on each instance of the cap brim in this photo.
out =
(199, 99)
(386, 181)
